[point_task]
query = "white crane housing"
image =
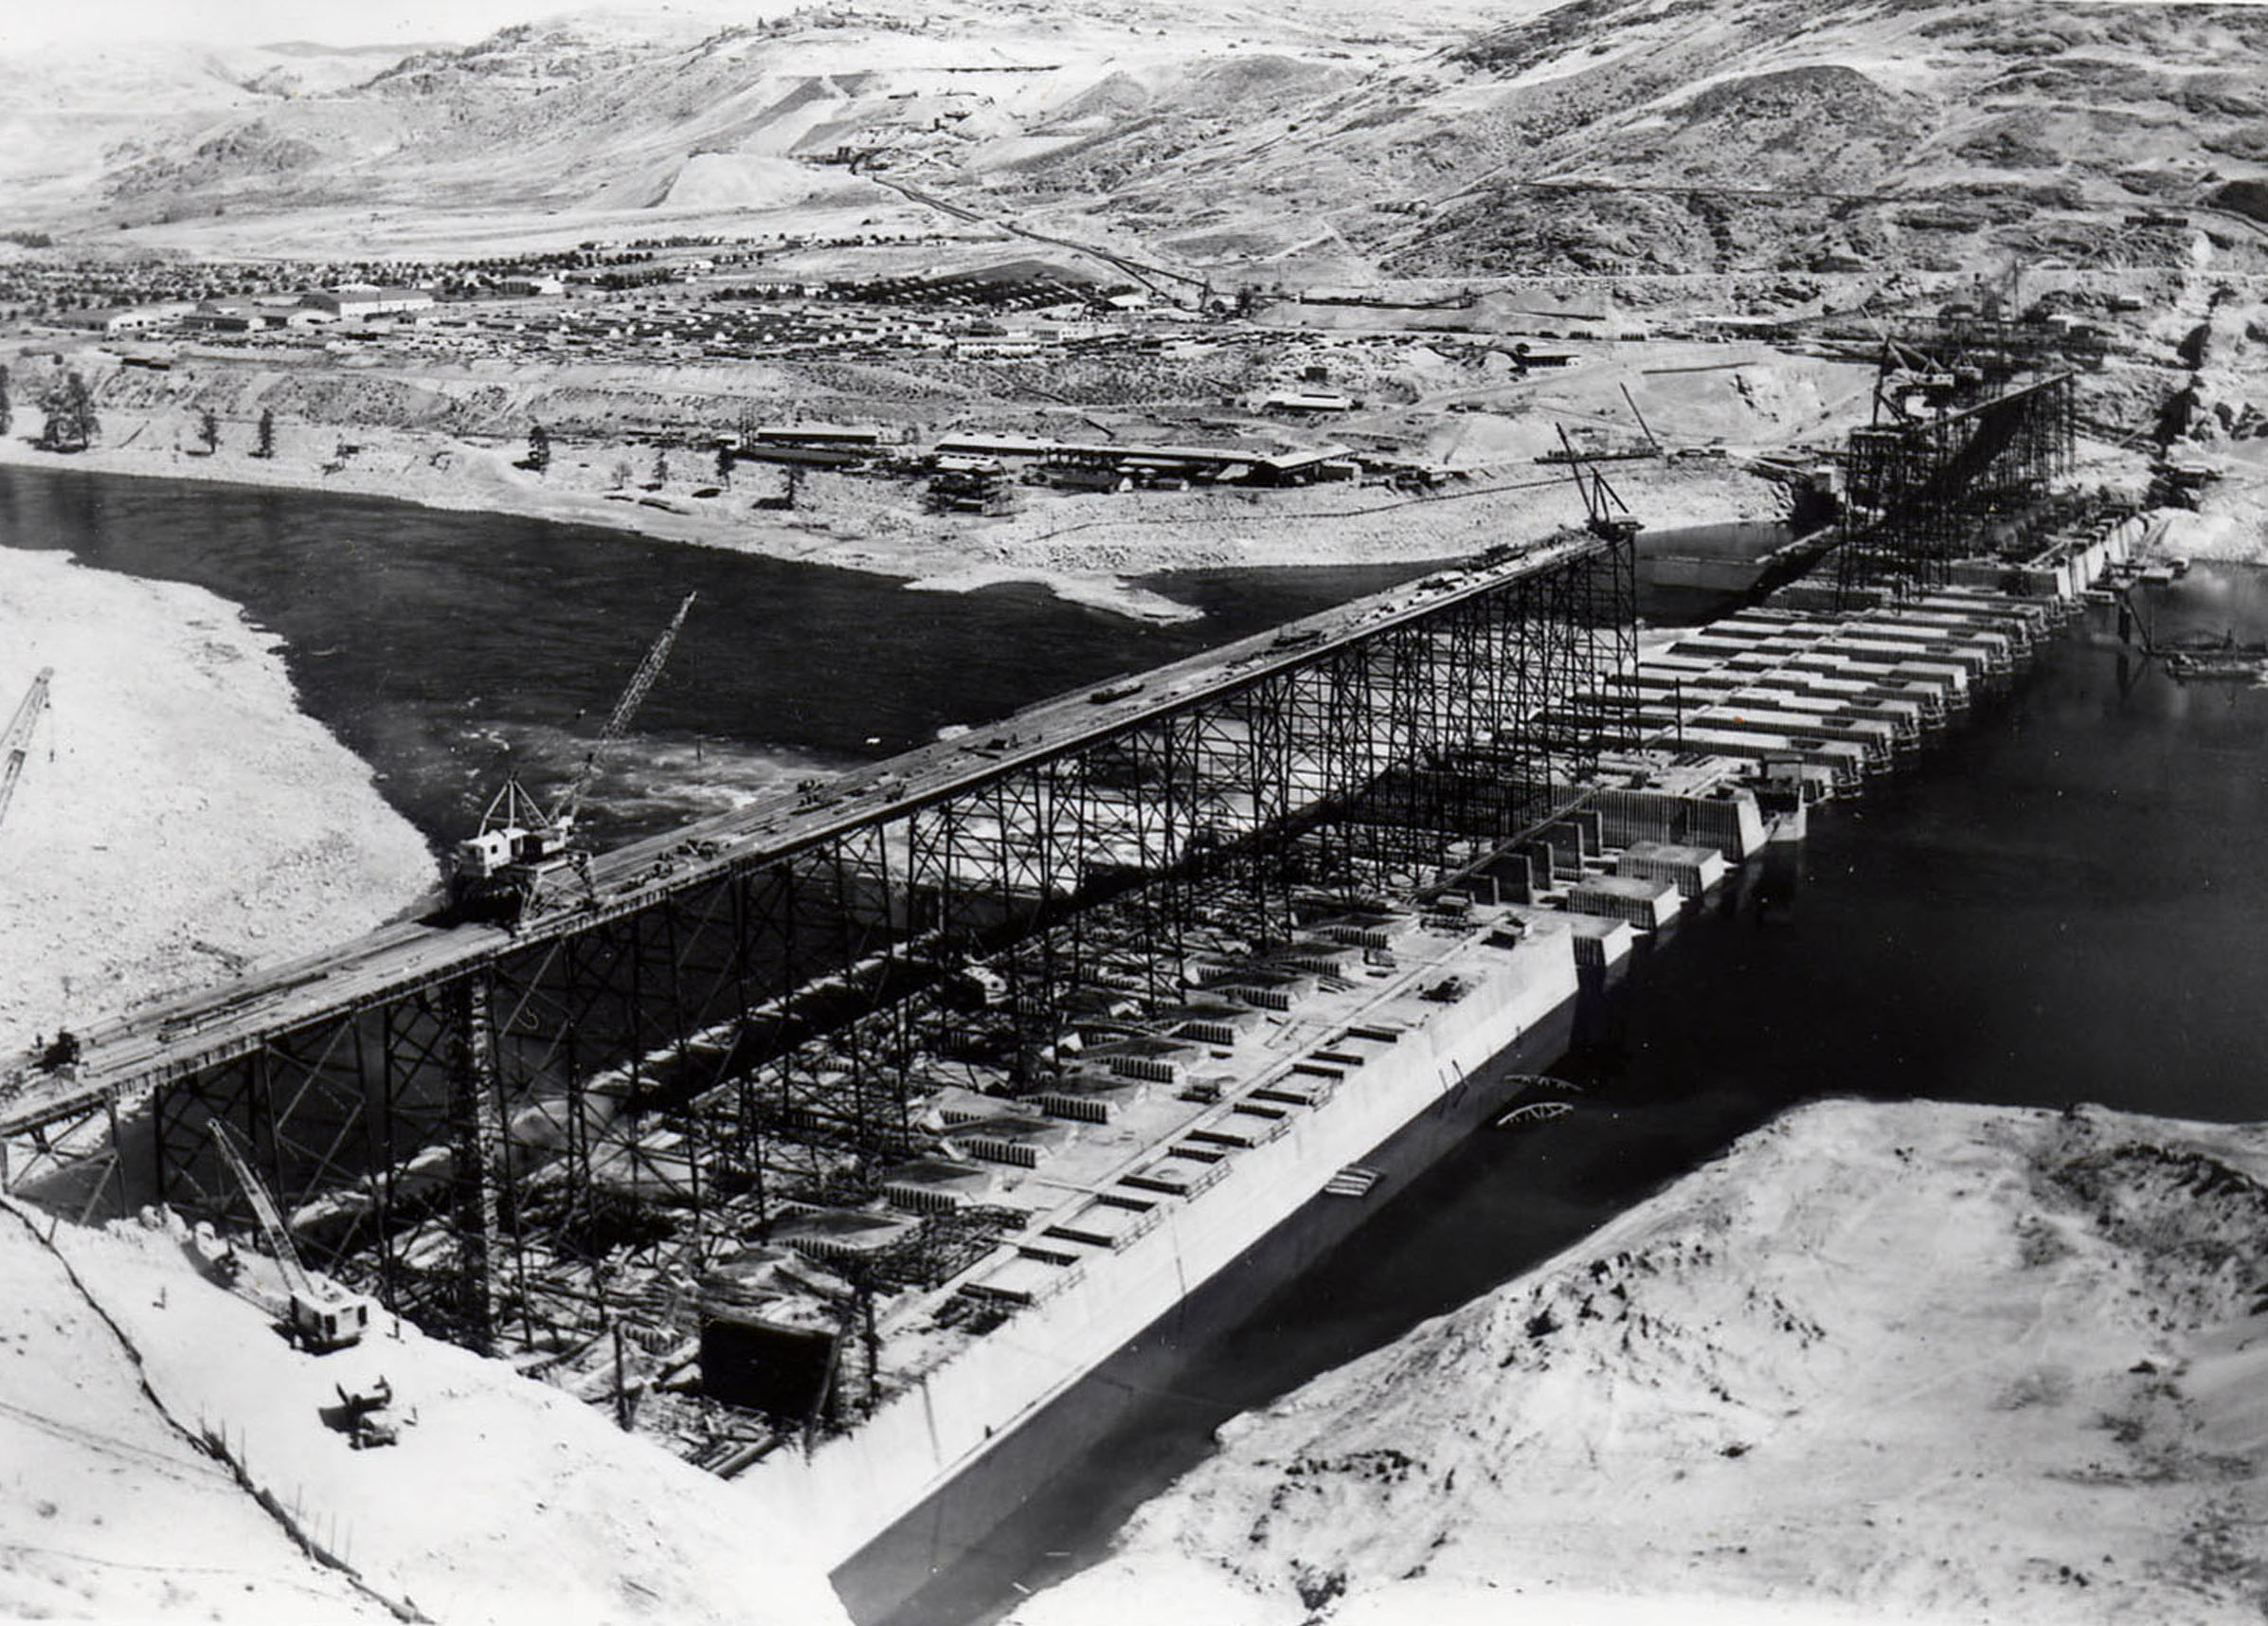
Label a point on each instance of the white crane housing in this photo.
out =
(500, 871)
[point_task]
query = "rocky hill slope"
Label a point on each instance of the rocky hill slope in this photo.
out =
(699, 104)
(1267, 141)
(1814, 130)
(78, 125)
(1891, 1362)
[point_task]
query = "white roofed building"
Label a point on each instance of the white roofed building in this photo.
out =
(367, 299)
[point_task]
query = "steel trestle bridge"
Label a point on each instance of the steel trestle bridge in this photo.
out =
(737, 1016)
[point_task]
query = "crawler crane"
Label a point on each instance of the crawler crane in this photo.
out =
(323, 1316)
(522, 848)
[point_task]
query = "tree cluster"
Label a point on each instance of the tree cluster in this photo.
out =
(69, 408)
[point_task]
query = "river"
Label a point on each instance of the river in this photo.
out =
(2061, 903)
(443, 646)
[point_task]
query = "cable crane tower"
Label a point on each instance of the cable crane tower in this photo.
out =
(522, 847)
(15, 744)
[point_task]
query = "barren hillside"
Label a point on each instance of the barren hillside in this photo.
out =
(1910, 1362)
(700, 106)
(78, 125)
(1266, 142)
(1260, 139)
(1922, 132)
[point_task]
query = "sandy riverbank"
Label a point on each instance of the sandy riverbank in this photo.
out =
(1088, 549)
(1886, 1362)
(178, 817)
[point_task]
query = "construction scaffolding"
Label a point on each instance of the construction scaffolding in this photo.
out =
(1958, 360)
(1921, 492)
(555, 1134)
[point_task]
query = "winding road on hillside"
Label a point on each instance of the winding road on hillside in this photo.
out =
(1142, 271)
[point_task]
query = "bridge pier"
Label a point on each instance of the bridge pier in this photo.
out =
(476, 1123)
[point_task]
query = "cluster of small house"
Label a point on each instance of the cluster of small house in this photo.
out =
(641, 328)
(533, 314)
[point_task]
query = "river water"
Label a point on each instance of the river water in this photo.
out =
(440, 646)
(2061, 903)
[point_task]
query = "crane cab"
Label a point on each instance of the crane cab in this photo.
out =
(513, 830)
(493, 851)
(481, 857)
(321, 1316)
(496, 874)
(325, 1318)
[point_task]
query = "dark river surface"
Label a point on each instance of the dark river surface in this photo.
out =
(2063, 902)
(439, 645)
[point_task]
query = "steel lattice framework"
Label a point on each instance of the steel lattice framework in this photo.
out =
(482, 1147)
(1918, 494)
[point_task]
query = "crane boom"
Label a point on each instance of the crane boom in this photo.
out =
(321, 1316)
(1599, 498)
(15, 744)
(263, 1209)
(570, 799)
(502, 872)
(1653, 440)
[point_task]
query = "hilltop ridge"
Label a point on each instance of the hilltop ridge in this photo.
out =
(1265, 141)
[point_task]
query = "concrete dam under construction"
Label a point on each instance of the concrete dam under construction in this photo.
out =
(832, 1140)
